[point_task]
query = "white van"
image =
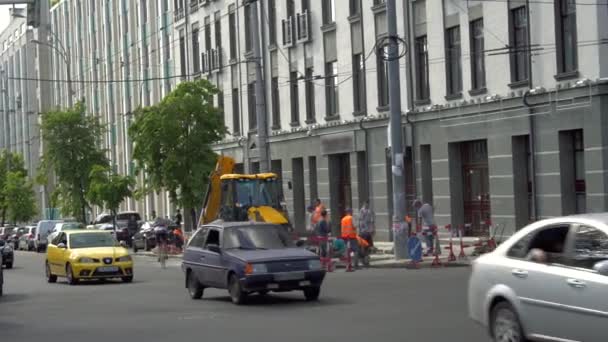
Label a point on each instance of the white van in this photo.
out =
(43, 229)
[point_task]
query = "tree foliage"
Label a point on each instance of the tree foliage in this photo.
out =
(9, 163)
(108, 190)
(72, 142)
(21, 203)
(172, 142)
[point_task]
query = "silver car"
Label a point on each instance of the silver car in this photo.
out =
(548, 282)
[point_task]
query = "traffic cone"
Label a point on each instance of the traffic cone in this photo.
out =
(462, 254)
(452, 256)
(437, 250)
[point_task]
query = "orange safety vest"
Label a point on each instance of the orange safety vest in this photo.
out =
(347, 228)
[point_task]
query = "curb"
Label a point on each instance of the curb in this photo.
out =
(404, 264)
(151, 254)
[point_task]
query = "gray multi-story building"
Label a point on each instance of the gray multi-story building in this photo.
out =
(120, 57)
(504, 103)
(19, 95)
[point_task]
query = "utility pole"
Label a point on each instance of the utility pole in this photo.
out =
(398, 169)
(7, 118)
(260, 103)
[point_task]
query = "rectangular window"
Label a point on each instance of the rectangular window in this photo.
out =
(253, 122)
(331, 89)
(232, 32)
(426, 173)
(272, 21)
(218, 30)
(522, 180)
(355, 7)
(295, 103)
(519, 44)
(207, 33)
(196, 58)
(144, 11)
(478, 68)
(422, 69)
(382, 67)
(291, 8)
(247, 29)
(329, 12)
(358, 84)
(236, 126)
(572, 171)
(452, 61)
(220, 104)
(276, 109)
(565, 32)
(305, 5)
(310, 96)
(312, 178)
(182, 53)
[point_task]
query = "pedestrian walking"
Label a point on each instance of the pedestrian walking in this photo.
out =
(178, 218)
(319, 207)
(349, 234)
(366, 224)
(322, 231)
(425, 219)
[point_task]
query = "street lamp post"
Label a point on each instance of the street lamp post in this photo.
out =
(66, 58)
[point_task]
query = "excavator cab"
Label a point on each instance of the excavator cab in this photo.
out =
(243, 197)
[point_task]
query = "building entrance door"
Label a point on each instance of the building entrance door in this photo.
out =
(476, 187)
(340, 186)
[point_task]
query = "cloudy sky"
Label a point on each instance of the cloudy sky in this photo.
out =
(4, 16)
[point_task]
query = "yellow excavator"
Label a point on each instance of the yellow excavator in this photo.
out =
(243, 197)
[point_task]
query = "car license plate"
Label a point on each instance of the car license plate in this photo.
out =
(289, 276)
(305, 283)
(272, 286)
(107, 269)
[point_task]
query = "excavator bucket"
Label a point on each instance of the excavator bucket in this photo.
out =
(211, 204)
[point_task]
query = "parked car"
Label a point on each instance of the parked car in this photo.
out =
(248, 257)
(87, 254)
(27, 240)
(145, 238)
(63, 226)
(43, 229)
(124, 228)
(13, 238)
(6, 232)
(549, 281)
(8, 256)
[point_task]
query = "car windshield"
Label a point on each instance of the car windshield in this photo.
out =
(72, 226)
(8, 230)
(258, 237)
(91, 240)
(257, 192)
(22, 230)
(127, 216)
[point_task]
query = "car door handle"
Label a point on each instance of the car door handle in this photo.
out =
(576, 283)
(520, 273)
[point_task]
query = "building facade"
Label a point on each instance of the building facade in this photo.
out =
(504, 103)
(19, 93)
(120, 55)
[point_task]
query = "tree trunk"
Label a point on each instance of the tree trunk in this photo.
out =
(113, 211)
(3, 215)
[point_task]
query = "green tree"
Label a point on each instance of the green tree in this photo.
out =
(20, 204)
(172, 143)
(9, 162)
(72, 141)
(109, 190)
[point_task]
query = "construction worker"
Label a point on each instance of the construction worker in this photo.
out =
(426, 220)
(349, 234)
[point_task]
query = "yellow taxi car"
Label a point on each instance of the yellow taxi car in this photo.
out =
(87, 254)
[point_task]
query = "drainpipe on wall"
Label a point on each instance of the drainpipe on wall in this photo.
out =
(367, 166)
(410, 90)
(532, 124)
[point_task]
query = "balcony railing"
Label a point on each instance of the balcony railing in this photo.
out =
(179, 14)
(303, 20)
(288, 32)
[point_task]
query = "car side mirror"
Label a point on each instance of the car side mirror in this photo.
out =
(601, 267)
(214, 248)
(123, 243)
(62, 245)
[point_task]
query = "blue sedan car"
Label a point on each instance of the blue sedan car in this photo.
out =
(247, 257)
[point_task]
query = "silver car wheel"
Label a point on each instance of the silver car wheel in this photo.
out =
(506, 326)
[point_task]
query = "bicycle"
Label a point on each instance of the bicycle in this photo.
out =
(161, 246)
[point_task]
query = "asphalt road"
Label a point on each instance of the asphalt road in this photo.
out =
(368, 305)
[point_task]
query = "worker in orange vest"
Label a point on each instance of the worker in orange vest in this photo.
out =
(349, 234)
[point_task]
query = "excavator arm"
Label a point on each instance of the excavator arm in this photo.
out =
(213, 196)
